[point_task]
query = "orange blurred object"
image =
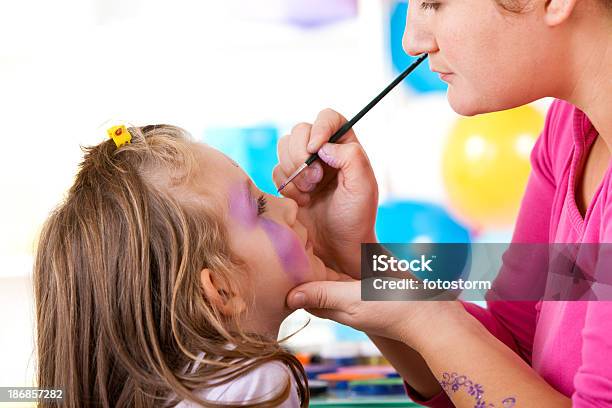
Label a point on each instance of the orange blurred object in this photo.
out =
(303, 358)
(349, 376)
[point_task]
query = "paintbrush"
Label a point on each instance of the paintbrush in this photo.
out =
(348, 125)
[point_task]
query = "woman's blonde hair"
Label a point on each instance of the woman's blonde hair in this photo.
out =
(120, 309)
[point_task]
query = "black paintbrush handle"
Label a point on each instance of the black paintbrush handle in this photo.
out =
(348, 125)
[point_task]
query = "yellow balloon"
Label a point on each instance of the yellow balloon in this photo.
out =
(486, 165)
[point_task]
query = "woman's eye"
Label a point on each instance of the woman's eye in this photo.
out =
(261, 204)
(428, 6)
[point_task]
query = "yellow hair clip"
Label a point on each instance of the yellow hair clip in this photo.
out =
(120, 135)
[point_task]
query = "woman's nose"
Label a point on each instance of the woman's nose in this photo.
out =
(418, 37)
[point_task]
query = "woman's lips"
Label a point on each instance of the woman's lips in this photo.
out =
(445, 76)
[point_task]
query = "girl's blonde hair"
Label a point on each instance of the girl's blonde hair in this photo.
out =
(119, 306)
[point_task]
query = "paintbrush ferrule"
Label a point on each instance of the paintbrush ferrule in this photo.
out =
(292, 176)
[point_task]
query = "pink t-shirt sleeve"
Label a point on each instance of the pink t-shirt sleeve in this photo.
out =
(514, 322)
(593, 381)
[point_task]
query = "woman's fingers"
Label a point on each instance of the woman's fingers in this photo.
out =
(314, 173)
(305, 139)
(327, 123)
(292, 154)
(354, 166)
(291, 190)
(300, 135)
(336, 300)
(285, 155)
(332, 275)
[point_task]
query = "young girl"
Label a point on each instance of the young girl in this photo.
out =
(162, 277)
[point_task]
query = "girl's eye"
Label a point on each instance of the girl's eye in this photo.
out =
(432, 6)
(261, 204)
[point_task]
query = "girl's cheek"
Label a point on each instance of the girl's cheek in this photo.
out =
(289, 250)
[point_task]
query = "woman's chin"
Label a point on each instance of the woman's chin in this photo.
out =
(463, 104)
(470, 101)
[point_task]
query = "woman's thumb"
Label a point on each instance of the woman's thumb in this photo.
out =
(349, 158)
(317, 295)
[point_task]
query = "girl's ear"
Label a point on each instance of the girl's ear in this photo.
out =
(558, 11)
(216, 291)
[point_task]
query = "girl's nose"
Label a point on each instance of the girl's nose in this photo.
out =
(289, 210)
(418, 37)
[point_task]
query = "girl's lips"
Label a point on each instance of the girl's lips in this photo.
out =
(445, 76)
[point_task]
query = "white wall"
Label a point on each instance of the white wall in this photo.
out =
(68, 68)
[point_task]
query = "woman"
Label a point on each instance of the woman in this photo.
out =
(495, 55)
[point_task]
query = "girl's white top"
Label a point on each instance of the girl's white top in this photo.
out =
(259, 384)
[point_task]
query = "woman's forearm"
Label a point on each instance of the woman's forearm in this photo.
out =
(410, 365)
(435, 345)
(473, 366)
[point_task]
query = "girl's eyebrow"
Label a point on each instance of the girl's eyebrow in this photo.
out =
(240, 199)
(248, 187)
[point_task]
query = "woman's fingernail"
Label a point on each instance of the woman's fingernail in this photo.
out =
(307, 174)
(313, 174)
(325, 155)
(298, 300)
(303, 184)
(308, 188)
(311, 147)
(323, 151)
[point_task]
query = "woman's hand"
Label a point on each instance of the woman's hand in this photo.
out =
(410, 322)
(338, 196)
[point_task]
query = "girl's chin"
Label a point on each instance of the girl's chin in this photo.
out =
(316, 272)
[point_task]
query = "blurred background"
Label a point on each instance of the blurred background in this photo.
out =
(238, 74)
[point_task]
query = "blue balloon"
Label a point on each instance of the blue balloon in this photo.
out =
(253, 148)
(421, 80)
(404, 222)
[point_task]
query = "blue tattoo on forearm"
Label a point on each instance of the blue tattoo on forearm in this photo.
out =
(453, 382)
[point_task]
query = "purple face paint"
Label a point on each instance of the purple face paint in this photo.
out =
(241, 206)
(288, 248)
